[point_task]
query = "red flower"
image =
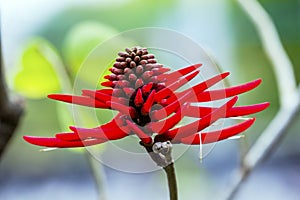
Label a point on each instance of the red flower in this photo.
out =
(150, 105)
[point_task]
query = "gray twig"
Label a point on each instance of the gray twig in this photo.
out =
(264, 146)
(282, 66)
(288, 94)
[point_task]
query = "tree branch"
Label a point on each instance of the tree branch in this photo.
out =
(282, 66)
(264, 146)
(10, 112)
(288, 94)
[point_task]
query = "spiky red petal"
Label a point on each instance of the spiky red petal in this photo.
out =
(204, 122)
(55, 142)
(80, 100)
(214, 136)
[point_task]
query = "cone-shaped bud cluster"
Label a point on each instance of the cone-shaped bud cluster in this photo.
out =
(134, 76)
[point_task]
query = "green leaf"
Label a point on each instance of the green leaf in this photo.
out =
(37, 76)
(90, 48)
(81, 39)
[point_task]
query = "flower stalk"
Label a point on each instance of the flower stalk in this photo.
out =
(172, 183)
(161, 154)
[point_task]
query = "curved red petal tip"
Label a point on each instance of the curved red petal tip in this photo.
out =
(202, 123)
(60, 97)
(197, 65)
(31, 139)
(55, 142)
(215, 136)
(249, 85)
(171, 77)
(173, 86)
(212, 95)
(224, 74)
(188, 69)
(264, 105)
(79, 100)
(108, 84)
(247, 110)
(43, 141)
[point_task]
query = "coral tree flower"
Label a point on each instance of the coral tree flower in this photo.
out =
(149, 104)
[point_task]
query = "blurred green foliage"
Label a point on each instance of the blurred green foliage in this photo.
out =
(37, 76)
(81, 40)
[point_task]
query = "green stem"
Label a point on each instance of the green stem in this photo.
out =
(172, 183)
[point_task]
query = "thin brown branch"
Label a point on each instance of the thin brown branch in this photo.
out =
(172, 183)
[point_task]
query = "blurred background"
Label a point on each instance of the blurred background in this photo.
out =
(46, 41)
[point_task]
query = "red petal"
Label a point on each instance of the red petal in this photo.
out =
(199, 88)
(163, 126)
(96, 94)
(102, 132)
(214, 136)
(247, 110)
(106, 91)
(198, 111)
(143, 136)
(204, 122)
(138, 100)
(108, 84)
(174, 86)
(148, 104)
(171, 77)
(127, 110)
(70, 136)
(111, 130)
(227, 92)
(166, 111)
(55, 142)
(147, 88)
(80, 100)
